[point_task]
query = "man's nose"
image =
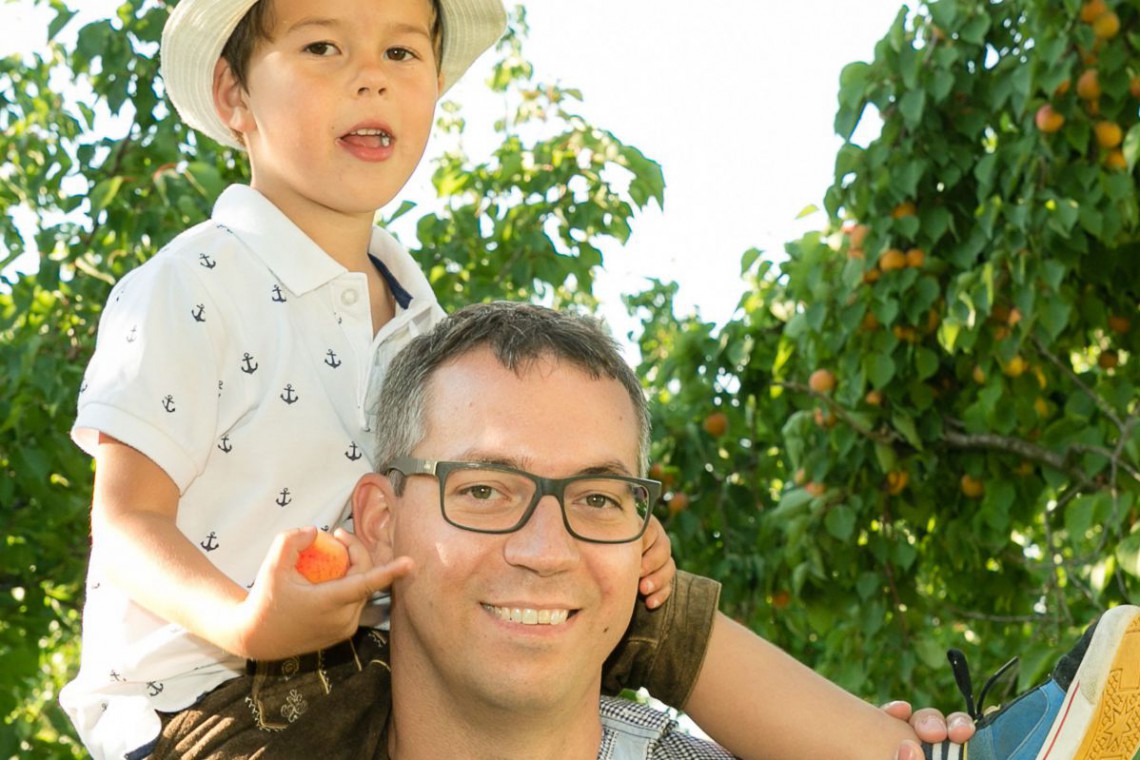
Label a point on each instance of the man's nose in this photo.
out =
(543, 545)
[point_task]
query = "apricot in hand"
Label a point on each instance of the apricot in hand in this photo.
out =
(323, 560)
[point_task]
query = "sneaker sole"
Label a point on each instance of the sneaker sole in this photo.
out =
(1100, 718)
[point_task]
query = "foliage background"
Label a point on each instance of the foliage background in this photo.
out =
(837, 519)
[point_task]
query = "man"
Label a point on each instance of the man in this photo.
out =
(499, 634)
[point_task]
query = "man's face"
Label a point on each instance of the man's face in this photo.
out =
(448, 623)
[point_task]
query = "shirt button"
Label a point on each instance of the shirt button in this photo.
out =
(349, 297)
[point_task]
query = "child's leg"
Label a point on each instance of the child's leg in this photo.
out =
(333, 704)
(760, 702)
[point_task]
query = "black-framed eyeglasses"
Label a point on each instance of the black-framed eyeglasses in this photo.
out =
(492, 498)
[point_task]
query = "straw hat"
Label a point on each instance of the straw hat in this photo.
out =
(197, 30)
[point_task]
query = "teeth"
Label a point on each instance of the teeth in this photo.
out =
(385, 138)
(528, 616)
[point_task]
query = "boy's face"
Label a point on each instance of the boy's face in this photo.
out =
(338, 105)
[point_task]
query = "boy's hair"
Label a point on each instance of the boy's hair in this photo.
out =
(519, 335)
(257, 24)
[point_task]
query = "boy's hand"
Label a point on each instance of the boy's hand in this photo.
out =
(930, 726)
(657, 566)
(285, 614)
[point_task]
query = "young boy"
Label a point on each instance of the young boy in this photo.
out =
(230, 397)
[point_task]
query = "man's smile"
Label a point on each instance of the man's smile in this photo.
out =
(529, 615)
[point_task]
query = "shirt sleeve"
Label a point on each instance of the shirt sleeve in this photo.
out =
(154, 379)
(663, 649)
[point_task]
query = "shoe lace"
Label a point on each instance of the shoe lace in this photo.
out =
(976, 708)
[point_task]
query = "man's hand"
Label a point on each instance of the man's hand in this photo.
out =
(286, 615)
(931, 726)
(657, 565)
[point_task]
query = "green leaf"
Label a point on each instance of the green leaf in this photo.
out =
(911, 106)
(880, 369)
(905, 425)
(840, 522)
(1131, 146)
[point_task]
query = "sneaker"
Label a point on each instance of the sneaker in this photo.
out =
(1089, 709)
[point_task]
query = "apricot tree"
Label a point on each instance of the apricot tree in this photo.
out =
(971, 478)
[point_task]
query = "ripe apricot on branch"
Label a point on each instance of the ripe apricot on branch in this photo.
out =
(892, 259)
(972, 487)
(915, 258)
(716, 424)
(679, 503)
(896, 481)
(1092, 10)
(1088, 85)
(1114, 159)
(1106, 26)
(906, 208)
(323, 560)
(816, 489)
(1015, 367)
(856, 234)
(1048, 120)
(822, 381)
(1108, 134)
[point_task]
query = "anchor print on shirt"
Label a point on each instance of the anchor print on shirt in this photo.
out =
(168, 404)
(332, 360)
(278, 295)
(224, 445)
(211, 542)
(154, 688)
(353, 453)
(248, 365)
(289, 395)
(284, 499)
(199, 313)
(133, 335)
(206, 261)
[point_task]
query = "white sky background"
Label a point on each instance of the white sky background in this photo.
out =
(734, 98)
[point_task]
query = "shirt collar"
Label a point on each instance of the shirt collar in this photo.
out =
(299, 263)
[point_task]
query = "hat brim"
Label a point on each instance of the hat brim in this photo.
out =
(197, 31)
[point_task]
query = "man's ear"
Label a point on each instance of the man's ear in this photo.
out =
(230, 100)
(372, 515)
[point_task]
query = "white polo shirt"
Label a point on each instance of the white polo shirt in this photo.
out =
(241, 360)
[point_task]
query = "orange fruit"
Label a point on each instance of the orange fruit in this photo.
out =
(1048, 120)
(896, 481)
(915, 258)
(1115, 159)
(1092, 10)
(1108, 134)
(716, 424)
(323, 560)
(972, 487)
(1015, 367)
(906, 208)
(892, 259)
(822, 381)
(1088, 85)
(1106, 26)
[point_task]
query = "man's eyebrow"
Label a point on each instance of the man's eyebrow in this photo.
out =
(608, 467)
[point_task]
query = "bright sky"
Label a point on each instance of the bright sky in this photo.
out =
(735, 99)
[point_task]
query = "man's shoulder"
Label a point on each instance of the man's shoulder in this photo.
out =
(635, 730)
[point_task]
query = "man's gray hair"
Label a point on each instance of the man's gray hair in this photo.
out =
(518, 334)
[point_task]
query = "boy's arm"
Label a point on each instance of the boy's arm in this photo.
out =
(760, 702)
(145, 554)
